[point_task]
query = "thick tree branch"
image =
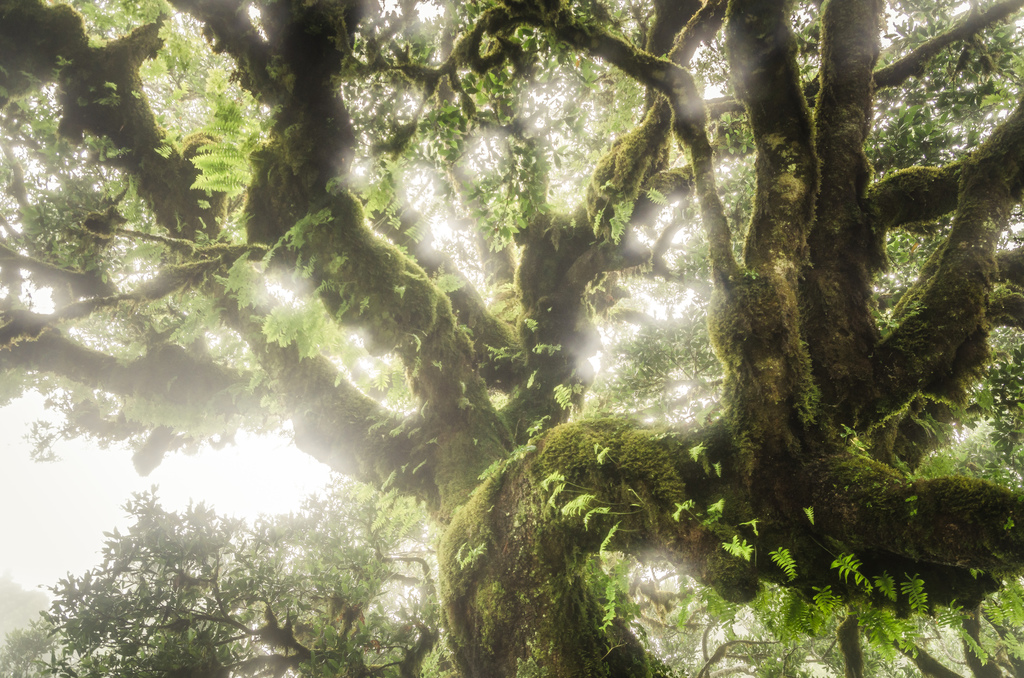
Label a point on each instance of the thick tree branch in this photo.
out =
(165, 373)
(845, 250)
(1006, 307)
(102, 94)
(354, 268)
(958, 522)
(230, 27)
(848, 635)
(1010, 266)
(786, 176)
(914, 197)
(928, 665)
(702, 27)
(333, 421)
(496, 347)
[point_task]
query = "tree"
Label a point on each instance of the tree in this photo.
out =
(342, 588)
(406, 229)
(17, 605)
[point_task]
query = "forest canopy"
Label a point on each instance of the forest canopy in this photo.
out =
(729, 291)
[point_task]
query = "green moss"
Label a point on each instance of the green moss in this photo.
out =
(735, 579)
(34, 39)
(638, 457)
(469, 531)
(914, 196)
(492, 606)
(631, 160)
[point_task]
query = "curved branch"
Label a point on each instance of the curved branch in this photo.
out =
(231, 28)
(167, 372)
(913, 65)
(333, 421)
(928, 665)
(914, 197)
(1011, 267)
(46, 274)
(702, 27)
(939, 345)
(957, 522)
(497, 350)
(101, 93)
(1006, 307)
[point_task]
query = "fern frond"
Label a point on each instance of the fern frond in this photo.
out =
(783, 558)
(578, 505)
(913, 588)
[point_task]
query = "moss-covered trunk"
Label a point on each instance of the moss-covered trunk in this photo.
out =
(522, 597)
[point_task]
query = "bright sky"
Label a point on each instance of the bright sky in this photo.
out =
(55, 514)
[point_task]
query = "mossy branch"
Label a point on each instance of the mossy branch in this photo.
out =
(955, 521)
(940, 343)
(165, 373)
(762, 55)
(1011, 267)
(46, 274)
(845, 250)
(914, 197)
(1006, 307)
(701, 28)
(85, 78)
(497, 349)
(333, 421)
(231, 29)
(928, 665)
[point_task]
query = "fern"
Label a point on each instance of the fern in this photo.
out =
(657, 197)
(809, 510)
(556, 482)
(913, 588)
(849, 565)
(783, 558)
(600, 510)
(971, 643)
(621, 214)
(578, 505)
(952, 616)
(797, 616)
(563, 395)
(685, 506)
(465, 557)
(738, 547)
(1007, 607)
(886, 632)
(715, 511)
(608, 538)
(885, 583)
(826, 601)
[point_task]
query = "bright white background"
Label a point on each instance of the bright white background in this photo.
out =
(54, 514)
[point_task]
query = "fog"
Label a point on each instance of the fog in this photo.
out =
(55, 513)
